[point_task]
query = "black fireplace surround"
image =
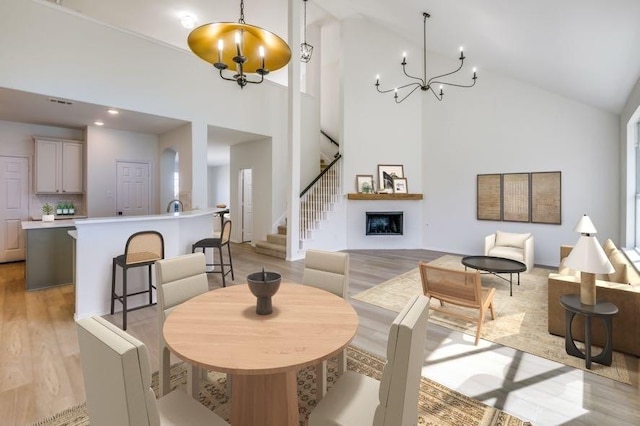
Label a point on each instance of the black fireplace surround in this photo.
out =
(384, 223)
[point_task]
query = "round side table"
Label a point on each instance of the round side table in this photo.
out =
(604, 310)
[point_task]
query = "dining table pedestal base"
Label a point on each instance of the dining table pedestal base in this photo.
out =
(265, 400)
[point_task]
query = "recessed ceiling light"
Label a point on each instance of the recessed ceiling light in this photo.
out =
(188, 20)
(113, 111)
(98, 123)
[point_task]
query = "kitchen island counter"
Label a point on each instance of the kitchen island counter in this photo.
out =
(48, 254)
(100, 239)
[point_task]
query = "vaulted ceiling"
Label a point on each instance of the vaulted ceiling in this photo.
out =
(584, 50)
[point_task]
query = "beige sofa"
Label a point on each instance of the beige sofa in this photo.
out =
(621, 288)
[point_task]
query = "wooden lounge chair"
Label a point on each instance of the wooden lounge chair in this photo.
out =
(461, 288)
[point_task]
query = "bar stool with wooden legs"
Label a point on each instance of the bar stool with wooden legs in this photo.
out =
(218, 243)
(142, 249)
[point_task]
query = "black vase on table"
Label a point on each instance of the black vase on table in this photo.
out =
(264, 285)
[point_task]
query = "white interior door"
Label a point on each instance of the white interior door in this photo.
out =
(14, 206)
(247, 207)
(132, 188)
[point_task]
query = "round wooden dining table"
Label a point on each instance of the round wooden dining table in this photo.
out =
(221, 331)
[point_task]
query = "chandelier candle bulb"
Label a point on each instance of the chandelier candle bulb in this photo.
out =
(238, 38)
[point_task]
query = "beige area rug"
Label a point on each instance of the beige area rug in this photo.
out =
(521, 320)
(437, 405)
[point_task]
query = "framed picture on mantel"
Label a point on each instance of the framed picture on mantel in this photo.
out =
(400, 186)
(386, 174)
(364, 184)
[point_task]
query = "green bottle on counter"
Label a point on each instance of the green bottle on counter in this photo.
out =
(65, 208)
(59, 208)
(72, 209)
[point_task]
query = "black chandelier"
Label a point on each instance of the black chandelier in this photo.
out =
(246, 48)
(305, 48)
(423, 83)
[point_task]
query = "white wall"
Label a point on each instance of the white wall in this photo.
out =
(257, 157)
(57, 56)
(180, 141)
(219, 185)
(505, 126)
(16, 140)
(310, 142)
(105, 147)
(376, 130)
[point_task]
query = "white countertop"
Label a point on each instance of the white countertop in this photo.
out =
(163, 216)
(38, 224)
(69, 223)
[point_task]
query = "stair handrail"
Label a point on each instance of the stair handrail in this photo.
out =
(322, 173)
(329, 137)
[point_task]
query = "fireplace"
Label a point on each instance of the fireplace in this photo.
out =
(384, 223)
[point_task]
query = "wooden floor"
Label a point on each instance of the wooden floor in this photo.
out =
(40, 372)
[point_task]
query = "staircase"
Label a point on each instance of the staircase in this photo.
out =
(276, 244)
(316, 200)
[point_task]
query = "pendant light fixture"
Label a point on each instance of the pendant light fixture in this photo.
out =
(423, 83)
(241, 52)
(305, 48)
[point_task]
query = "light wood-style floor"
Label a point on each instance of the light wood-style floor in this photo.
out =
(40, 371)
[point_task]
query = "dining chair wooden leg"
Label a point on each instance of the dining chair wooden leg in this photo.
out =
(193, 381)
(229, 385)
(342, 362)
(164, 373)
(321, 380)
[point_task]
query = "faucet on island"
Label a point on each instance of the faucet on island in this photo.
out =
(175, 206)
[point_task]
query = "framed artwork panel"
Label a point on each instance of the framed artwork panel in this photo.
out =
(515, 197)
(400, 186)
(364, 184)
(386, 174)
(546, 201)
(489, 197)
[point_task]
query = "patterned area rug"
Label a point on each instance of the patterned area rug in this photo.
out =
(521, 320)
(437, 405)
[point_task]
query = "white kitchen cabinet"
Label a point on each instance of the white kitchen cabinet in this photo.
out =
(58, 167)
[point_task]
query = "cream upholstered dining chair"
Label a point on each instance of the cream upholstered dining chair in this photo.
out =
(357, 399)
(328, 271)
(511, 246)
(117, 381)
(178, 279)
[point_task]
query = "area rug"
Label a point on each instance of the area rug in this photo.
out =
(521, 320)
(437, 405)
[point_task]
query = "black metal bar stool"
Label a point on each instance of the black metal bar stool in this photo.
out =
(218, 243)
(142, 249)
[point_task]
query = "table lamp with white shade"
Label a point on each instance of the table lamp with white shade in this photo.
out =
(588, 257)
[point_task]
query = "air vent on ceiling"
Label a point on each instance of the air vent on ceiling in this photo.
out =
(60, 101)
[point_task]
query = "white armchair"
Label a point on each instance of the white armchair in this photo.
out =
(511, 246)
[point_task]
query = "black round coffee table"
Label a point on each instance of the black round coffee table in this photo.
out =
(496, 265)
